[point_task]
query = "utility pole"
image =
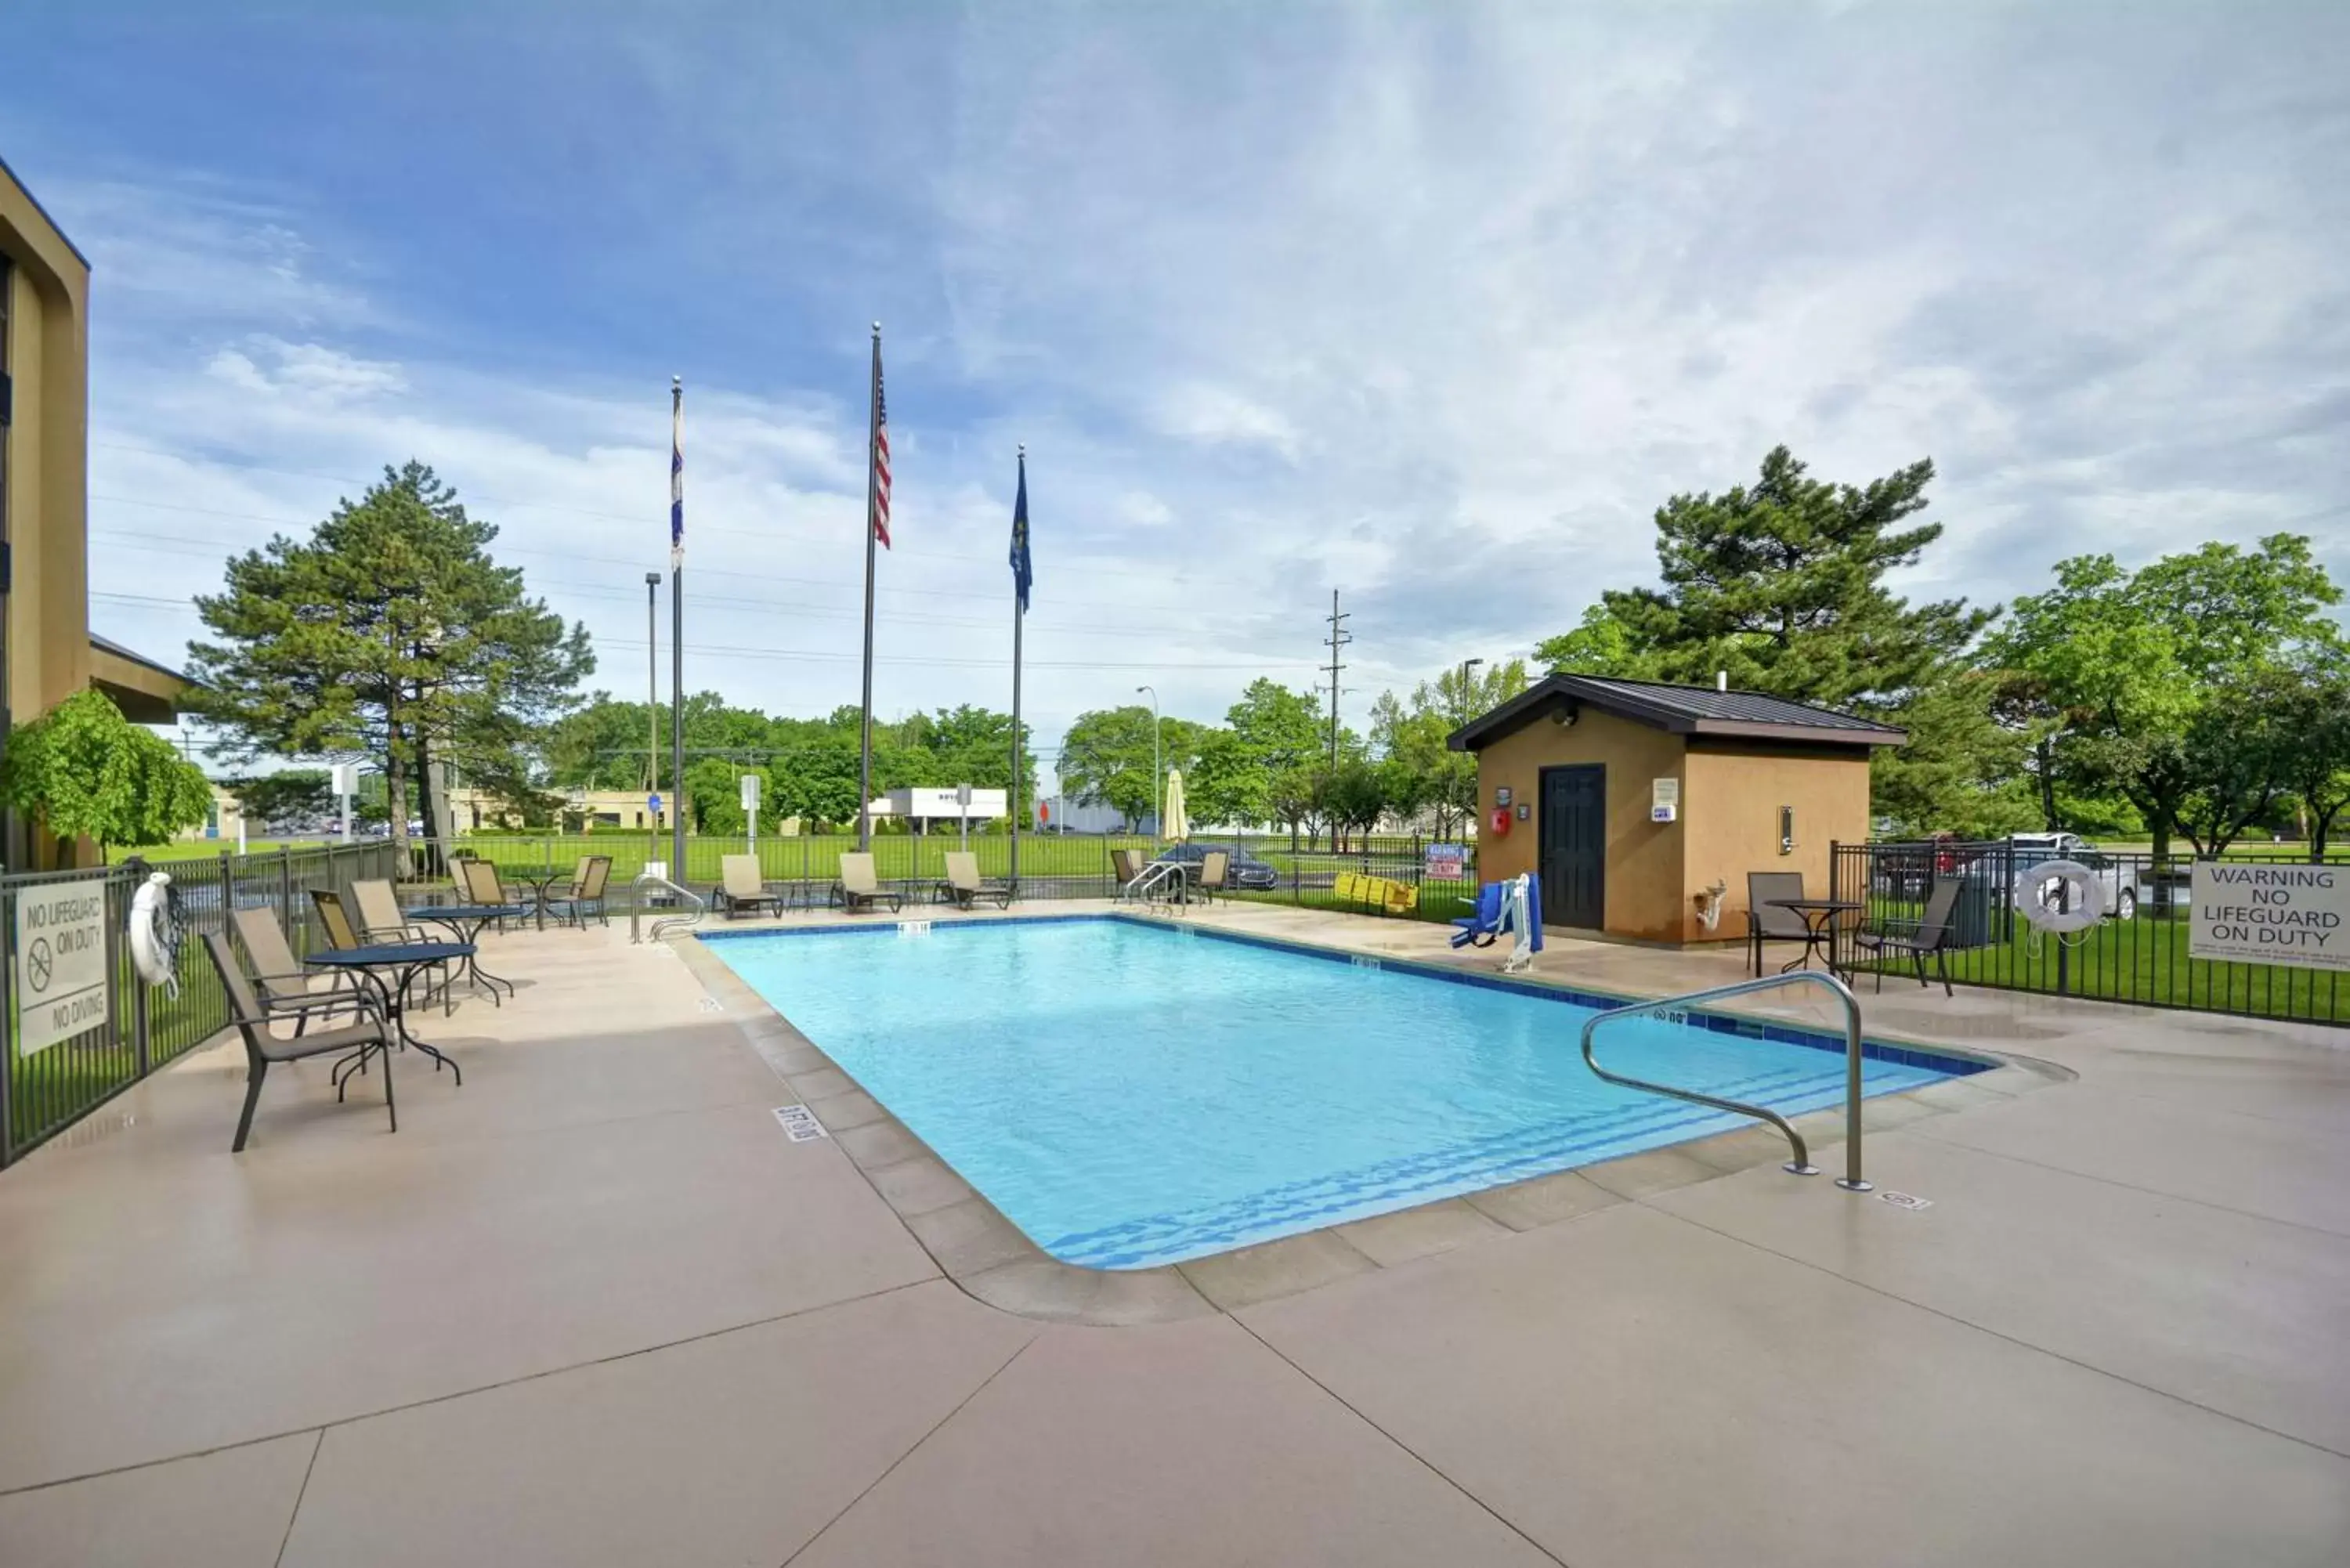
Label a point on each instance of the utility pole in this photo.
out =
(1339, 638)
(1467, 665)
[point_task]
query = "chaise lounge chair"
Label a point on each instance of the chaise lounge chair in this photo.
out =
(252, 1018)
(859, 890)
(964, 888)
(741, 889)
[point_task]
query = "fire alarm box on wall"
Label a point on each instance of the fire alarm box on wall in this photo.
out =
(1664, 800)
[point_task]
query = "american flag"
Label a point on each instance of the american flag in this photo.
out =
(676, 474)
(880, 451)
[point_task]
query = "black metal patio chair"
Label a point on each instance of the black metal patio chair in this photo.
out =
(1929, 933)
(1766, 922)
(252, 1017)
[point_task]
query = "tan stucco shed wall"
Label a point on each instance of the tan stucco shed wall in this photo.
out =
(1644, 858)
(1728, 822)
(1731, 808)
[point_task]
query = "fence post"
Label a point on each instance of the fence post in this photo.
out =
(286, 880)
(228, 889)
(7, 1040)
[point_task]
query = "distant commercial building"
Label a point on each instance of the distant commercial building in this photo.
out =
(46, 651)
(942, 810)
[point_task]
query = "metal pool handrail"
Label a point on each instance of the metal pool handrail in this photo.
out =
(1802, 1164)
(637, 903)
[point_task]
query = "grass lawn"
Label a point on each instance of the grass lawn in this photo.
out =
(2143, 959)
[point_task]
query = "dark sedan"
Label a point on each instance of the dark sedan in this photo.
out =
(1242, 869)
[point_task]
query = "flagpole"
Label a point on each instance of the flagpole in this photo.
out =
(676, 627)
(1019, 614)
(865, 740)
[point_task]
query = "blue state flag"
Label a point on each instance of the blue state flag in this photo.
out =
(1022, 574)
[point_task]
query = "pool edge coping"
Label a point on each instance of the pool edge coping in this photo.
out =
(973, 1243)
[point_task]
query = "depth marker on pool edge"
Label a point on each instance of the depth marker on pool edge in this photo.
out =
(799, 1124)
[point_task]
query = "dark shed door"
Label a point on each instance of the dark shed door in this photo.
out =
(1575, 847)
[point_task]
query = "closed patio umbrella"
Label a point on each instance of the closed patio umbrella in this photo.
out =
(1179, 824)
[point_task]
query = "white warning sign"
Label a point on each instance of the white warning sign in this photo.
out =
(60, 961)
(2271, 914)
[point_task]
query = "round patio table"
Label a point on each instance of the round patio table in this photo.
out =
(541, 881)
(467, 921)
(405, 961)
(1819, 915)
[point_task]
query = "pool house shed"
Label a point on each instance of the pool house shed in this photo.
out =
(1634, 800)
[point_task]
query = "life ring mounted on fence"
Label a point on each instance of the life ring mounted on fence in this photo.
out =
(155, 933)
(2059, 896)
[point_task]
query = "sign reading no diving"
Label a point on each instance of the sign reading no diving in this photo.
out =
(2271, 914)
(60, 962)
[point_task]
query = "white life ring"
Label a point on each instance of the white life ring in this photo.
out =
(2059, 896)
(155, 934)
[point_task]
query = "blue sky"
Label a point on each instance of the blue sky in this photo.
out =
(1432, 304)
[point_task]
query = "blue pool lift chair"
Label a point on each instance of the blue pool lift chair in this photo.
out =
(1484, 928)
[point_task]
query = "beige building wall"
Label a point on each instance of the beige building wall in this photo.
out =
(1644, 880)
(1730, 807)
(48, 301)
(1728, 821)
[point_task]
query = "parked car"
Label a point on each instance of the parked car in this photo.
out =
(1244, 870)
(2120, 879)
(2030, 848)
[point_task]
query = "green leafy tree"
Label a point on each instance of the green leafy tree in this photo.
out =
(390, 630)
(1601, 644)
(814, 778)
(713, 792)
(1782, 584)
(2312, 714)
(1412, 738)
(2127, 663)
(85, 771)
(288, 795)
(1280, 733)
(1350, 798)
(1106, 757)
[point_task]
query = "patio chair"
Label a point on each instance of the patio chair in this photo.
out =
(1123, 867)
(279, 974)
(483, 886)
(741, 886)
(589, 881)
(1484, 928)
(1215, 875)
(380, 920)
(964, 888)
(1929, 933)
(252, 1017)
(858, 889)
(1766, 921)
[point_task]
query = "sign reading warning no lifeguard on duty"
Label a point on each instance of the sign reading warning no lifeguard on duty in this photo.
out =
(60, 962)
(2271, 914)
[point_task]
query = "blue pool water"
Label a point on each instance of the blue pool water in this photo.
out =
(1130, 1094)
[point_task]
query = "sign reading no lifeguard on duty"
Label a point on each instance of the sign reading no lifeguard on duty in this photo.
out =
(2271, 914)
(60, 962)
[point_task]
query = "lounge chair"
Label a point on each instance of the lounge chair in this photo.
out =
(1484, 928)
(589, 880)
(1931, 933)
(252, 1018)
(859, 890)
(964, 888)
(1766, 921)
(741, 888)
(279, 974)
(1215, 875)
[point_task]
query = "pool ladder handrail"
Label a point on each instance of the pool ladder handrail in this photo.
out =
(656, 880)
(1156, 875)
(1801, 1165)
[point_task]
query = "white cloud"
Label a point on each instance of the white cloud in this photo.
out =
(1219, 416)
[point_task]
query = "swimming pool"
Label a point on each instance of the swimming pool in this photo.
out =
(1130, 1094)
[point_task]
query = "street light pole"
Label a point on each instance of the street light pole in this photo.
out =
(1466, 665)
(1158, 782)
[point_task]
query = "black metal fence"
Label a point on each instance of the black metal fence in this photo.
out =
(140, 1028)
(2137, 952)
(1384, 875)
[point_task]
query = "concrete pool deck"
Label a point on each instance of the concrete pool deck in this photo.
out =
(594, 1307)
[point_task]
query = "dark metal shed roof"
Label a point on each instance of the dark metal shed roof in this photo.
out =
(1679, 710)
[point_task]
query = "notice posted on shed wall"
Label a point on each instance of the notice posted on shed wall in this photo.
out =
(2271, 914)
